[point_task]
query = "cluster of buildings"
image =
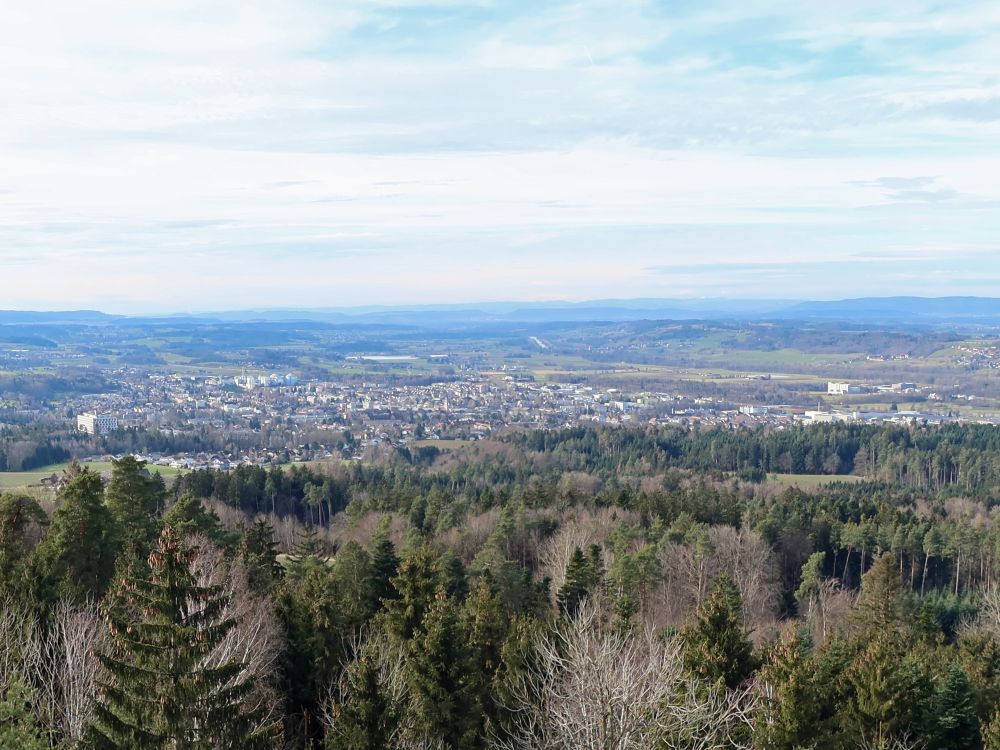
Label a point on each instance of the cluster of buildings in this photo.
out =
(470, 406)
(249, 382)
(277, 418)
(850, 389)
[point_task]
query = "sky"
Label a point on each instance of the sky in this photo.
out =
(193, 155)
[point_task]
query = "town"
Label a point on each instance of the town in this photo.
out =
(281, 419)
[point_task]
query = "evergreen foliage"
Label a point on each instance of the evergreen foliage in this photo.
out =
(77, 557)
(158, 692)
(716, 647)
(188, 516)
(18, 727)
(134, 499)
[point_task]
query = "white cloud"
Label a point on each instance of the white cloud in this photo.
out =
(394, 149)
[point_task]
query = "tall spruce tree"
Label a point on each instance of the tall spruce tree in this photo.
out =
(77, 558)
(954, 709)
(881, 605)
(385, 565)
(417, 584)
(259, 553)
(368, 712)
(158, 693)
(189, 516)
(18, 728)
(579, 577)
(22, 524)
(716, 647)
(797, 705)
(134, 499)
(442, 687)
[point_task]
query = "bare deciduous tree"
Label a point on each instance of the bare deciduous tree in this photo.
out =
(578, 530)
(749, 561)
(374, 650)
(69, 667)
(256, 640)
(20, 643)
(590, 686)
(989, 610)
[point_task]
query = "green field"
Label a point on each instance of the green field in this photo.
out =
(17, 479)
(807, 481)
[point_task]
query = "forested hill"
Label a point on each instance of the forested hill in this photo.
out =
(516, 593)
(962, 457)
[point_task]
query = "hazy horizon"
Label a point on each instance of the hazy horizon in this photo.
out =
(218, 156)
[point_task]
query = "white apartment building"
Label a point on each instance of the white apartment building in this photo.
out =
(96, 424)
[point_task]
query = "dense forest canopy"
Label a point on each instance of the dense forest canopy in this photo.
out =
(587, 587)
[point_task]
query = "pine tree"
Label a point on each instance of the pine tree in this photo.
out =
(134, 499)
(77, 558)
(18, 728)
(716, 647)
(798, 703)
(259, 553)
(22, 523)
(955, 719)
(309, 608)
(158, 693)
(385, 565)
(880, 605)
(352, 572)
(453, 578)
(889, 693)
(307, 545)
(189, 516)
(487, 623)
(579, 575)
(991, 733)
(367, 719)
(442, 688)
(417, 585)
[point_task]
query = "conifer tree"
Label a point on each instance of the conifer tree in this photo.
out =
(385, 565)
(991, 733)
(77, 558)
(453, 578)
(189, 516)
(487, 623)
(880, 605)
(579, 575)
(22, 522)
(134, 499)
(158, 693)
(796, 711)
(416, 584)
(955, 719)
(307, 545)
(716, 647)
(890, 694)
(368, 718)
(309, 609)
(442, 688)
(18, 728)
(352, 572)
(259, 553)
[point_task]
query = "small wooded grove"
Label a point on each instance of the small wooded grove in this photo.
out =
(587, 588)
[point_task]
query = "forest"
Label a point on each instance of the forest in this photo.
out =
(580, 588)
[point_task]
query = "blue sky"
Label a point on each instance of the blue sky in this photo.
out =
(189, 155)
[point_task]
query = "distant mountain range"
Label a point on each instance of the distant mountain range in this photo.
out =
(926, 310)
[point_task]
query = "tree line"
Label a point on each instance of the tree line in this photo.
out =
(573, 589)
